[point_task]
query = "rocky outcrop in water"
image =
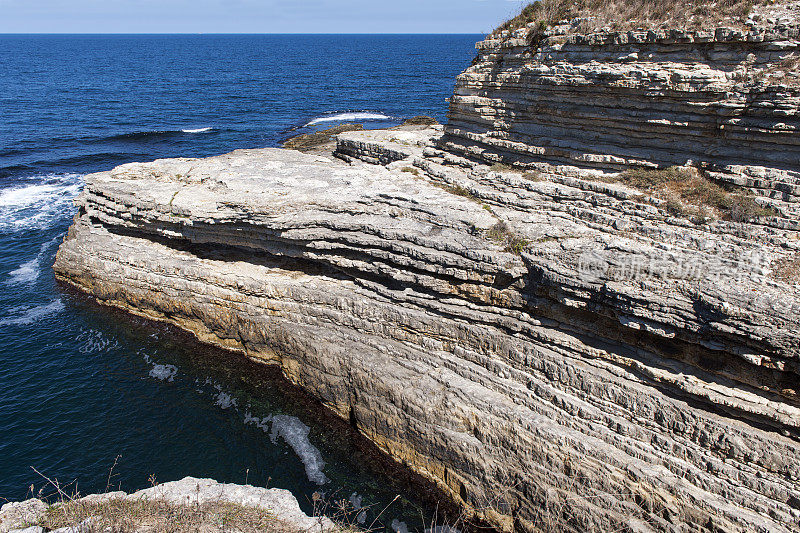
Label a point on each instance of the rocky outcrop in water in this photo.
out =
(555, 349)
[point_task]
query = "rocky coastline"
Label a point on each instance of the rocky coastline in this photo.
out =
(491, 302)
(205, 503)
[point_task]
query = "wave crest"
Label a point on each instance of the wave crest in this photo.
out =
(348, 117)
(40, 204)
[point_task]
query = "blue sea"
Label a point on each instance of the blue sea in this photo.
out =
(97, 399)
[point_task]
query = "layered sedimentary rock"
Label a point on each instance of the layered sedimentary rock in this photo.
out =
(555, 352)
(721, 98)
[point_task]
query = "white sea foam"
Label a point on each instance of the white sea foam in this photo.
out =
(19, 316)
(261, 423)
(295, 433)
(39, 204)
(224, 400)
(28, 272)
(346, 117)
(94, 342)
(164, 372)
(198, 130)
(399, 527)
(356, 500)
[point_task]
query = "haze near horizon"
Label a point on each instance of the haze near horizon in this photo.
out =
(254, 16)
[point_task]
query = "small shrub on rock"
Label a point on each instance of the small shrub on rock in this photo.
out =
(511, 242)
(745, 209)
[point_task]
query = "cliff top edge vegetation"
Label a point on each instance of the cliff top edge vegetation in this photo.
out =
(633, 14)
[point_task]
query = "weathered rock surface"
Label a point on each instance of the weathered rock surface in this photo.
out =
(16, 516)
(721, 98)
(555, 351)
(597, 364)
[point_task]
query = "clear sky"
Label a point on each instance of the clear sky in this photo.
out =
(254, 16)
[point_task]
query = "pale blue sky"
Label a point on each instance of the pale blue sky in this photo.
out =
(253, 16)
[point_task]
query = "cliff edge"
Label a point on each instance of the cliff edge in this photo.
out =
(601, 337)
(190, 504)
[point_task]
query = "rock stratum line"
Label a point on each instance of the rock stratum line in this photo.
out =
(555, 351)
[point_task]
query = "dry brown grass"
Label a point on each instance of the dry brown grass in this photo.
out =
(533, 175)
(421, 120)
(313, 141)
(143, 515)
(501, 167)
(788, 269)
(629, 14)
(686, 192)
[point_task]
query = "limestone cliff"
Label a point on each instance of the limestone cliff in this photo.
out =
(721, 97)
(555, 348)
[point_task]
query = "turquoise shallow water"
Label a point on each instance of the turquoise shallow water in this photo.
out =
(82, 387)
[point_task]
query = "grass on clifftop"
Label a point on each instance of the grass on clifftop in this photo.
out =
(123, 516)
(686, 192)
(630, 14)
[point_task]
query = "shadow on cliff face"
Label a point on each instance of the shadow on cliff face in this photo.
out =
(226, 402)
(599, 326)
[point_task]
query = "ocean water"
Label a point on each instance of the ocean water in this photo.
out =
(95, 398)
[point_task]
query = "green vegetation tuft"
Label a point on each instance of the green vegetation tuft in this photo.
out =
(458, 190)
(511, 242)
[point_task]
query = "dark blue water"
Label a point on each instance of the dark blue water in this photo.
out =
(81, 386)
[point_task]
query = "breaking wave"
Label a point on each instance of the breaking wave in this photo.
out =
(292, 430)
(347, 117)
(38, 202)
(146, 135)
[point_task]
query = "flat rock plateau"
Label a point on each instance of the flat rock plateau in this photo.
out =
(118, 511)
(495, 303)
